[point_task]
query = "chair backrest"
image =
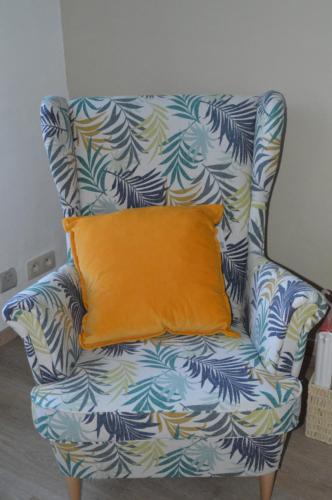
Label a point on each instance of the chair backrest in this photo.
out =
(112, 153)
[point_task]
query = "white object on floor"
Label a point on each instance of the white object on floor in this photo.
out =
(319, 359)
(329, 361)
(323, 364)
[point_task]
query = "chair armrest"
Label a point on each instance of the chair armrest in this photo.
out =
(282, 310)
(48, 316)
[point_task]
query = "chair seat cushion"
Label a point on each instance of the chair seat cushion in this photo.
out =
(168, 387)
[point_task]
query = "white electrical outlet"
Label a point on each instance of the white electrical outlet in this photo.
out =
(40, 265)
(8, 280)
(48, 261)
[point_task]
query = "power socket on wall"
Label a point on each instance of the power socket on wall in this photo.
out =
(35, 267)
(8, 280)
(40, 265)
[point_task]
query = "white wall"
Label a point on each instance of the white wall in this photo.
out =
(238, 46)
(32, 65)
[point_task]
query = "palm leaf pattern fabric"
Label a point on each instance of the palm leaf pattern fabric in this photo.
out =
(212, 396)
(48, 317)
(168, 387)
(175, 406)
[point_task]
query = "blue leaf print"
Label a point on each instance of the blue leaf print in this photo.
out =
(49, 375)
(186, 106)
(197, 344)
(161, 357)
(72, 291)
(123, 127)
(120, 459)
(29, 349)
(286, 362)
(116, 457)
(28, 299)
(200, 140)
(256, 453)
(122, 426)
(51, 123)
(256, 235)
(138, 191)
(118, 350)
(178, 463)
(150, 394)
(217, 187)
(236, 122)
(85, 104)
(179, 159)
(224, 426)
(63, 172)
(276, 116)
(74, 469)
(83, 386)
(232, 379)
(92, 170)
(234, 265)
(282, 306)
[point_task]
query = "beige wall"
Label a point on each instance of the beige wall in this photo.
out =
(237, 46)
(32, 65)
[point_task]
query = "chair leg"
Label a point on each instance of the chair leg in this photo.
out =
(266, 483)
(74, 488)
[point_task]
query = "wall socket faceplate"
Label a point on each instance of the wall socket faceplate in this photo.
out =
(40, 265)
(8, 280)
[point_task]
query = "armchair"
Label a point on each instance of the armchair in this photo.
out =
(174, 406)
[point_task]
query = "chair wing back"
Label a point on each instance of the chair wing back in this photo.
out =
(112, 153)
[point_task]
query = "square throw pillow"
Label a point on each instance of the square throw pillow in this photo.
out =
(148, 271)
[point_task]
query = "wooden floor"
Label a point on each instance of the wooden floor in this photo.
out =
(28, 470)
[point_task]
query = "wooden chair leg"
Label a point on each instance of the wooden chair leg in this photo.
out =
(266, 483)
(74, 488)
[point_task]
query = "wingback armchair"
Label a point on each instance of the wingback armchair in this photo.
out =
(174, 406)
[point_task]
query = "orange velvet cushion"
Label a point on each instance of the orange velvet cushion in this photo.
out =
(150, 270)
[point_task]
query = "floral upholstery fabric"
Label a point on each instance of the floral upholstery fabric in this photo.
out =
(172, 458)
(48, 316)
(282, 310)
(173, 406)
(168, 387)
(156, 150)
